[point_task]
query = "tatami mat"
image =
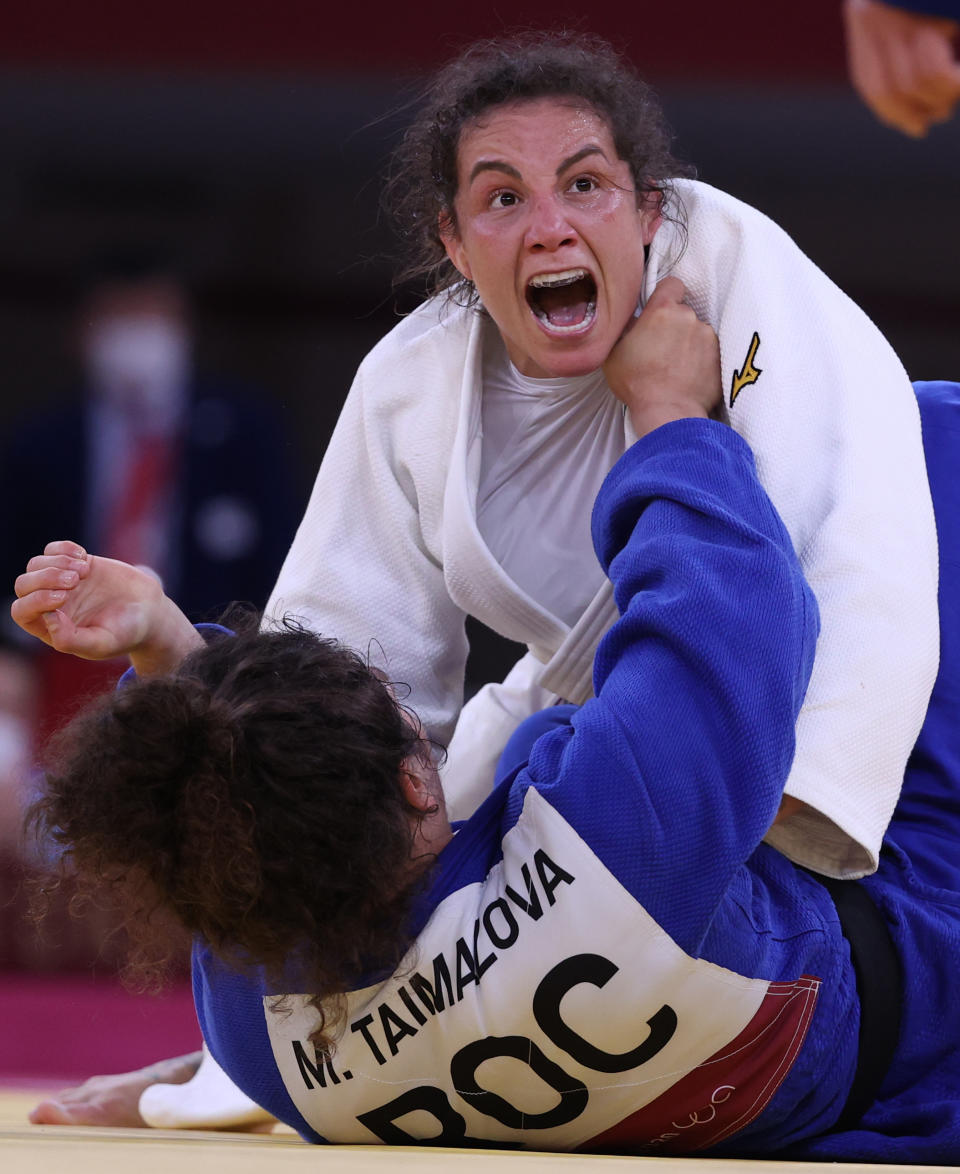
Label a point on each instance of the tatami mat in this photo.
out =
(40, 1149)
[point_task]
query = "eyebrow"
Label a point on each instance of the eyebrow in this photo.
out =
(509, 169)
(591, 149)
(494, 165)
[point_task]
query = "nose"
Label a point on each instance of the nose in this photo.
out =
(548, 228)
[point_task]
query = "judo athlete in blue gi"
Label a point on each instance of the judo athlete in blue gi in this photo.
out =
(605, 956)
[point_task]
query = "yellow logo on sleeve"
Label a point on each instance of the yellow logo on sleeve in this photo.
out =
(748, 373)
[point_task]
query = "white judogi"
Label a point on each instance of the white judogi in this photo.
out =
(390, 557)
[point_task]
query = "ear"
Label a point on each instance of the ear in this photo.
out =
(415, 790)
(454, 245)
(650, 210)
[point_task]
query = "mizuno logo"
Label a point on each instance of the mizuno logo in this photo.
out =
(748, 373)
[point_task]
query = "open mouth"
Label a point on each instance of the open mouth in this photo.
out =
(564, 303)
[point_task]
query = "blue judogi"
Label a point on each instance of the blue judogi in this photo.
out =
(917, 1115)
(607, 956)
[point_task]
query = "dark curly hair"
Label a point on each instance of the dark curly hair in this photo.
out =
(422, 182)
(254, 795)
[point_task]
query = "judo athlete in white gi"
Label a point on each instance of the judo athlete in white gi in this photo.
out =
(463, 469)
(605, 956)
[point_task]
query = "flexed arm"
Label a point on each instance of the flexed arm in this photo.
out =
(97, 608)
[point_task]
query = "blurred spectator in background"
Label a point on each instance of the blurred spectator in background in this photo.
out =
(903, 61)
(153, 463)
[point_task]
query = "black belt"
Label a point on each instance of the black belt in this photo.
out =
(879, 975)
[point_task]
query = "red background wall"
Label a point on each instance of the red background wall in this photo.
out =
(744, 42)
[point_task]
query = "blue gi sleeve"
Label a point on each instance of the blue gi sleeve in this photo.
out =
(674, 772)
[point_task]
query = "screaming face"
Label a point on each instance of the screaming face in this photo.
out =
(549, 229)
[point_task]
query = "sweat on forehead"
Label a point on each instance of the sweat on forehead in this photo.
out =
(587, 132)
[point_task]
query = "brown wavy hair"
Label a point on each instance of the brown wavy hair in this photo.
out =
(422, 181)
(254, 795)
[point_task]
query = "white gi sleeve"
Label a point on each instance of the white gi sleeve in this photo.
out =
(360, 567)
(830, 414)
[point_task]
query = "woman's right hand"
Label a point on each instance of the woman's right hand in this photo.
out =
(97, 608)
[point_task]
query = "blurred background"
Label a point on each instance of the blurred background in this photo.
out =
(247, 140)
(237, 148)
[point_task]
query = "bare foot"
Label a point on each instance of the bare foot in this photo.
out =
(112, 1100)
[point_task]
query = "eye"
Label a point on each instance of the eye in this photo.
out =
(503, 199)
(584, 183)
